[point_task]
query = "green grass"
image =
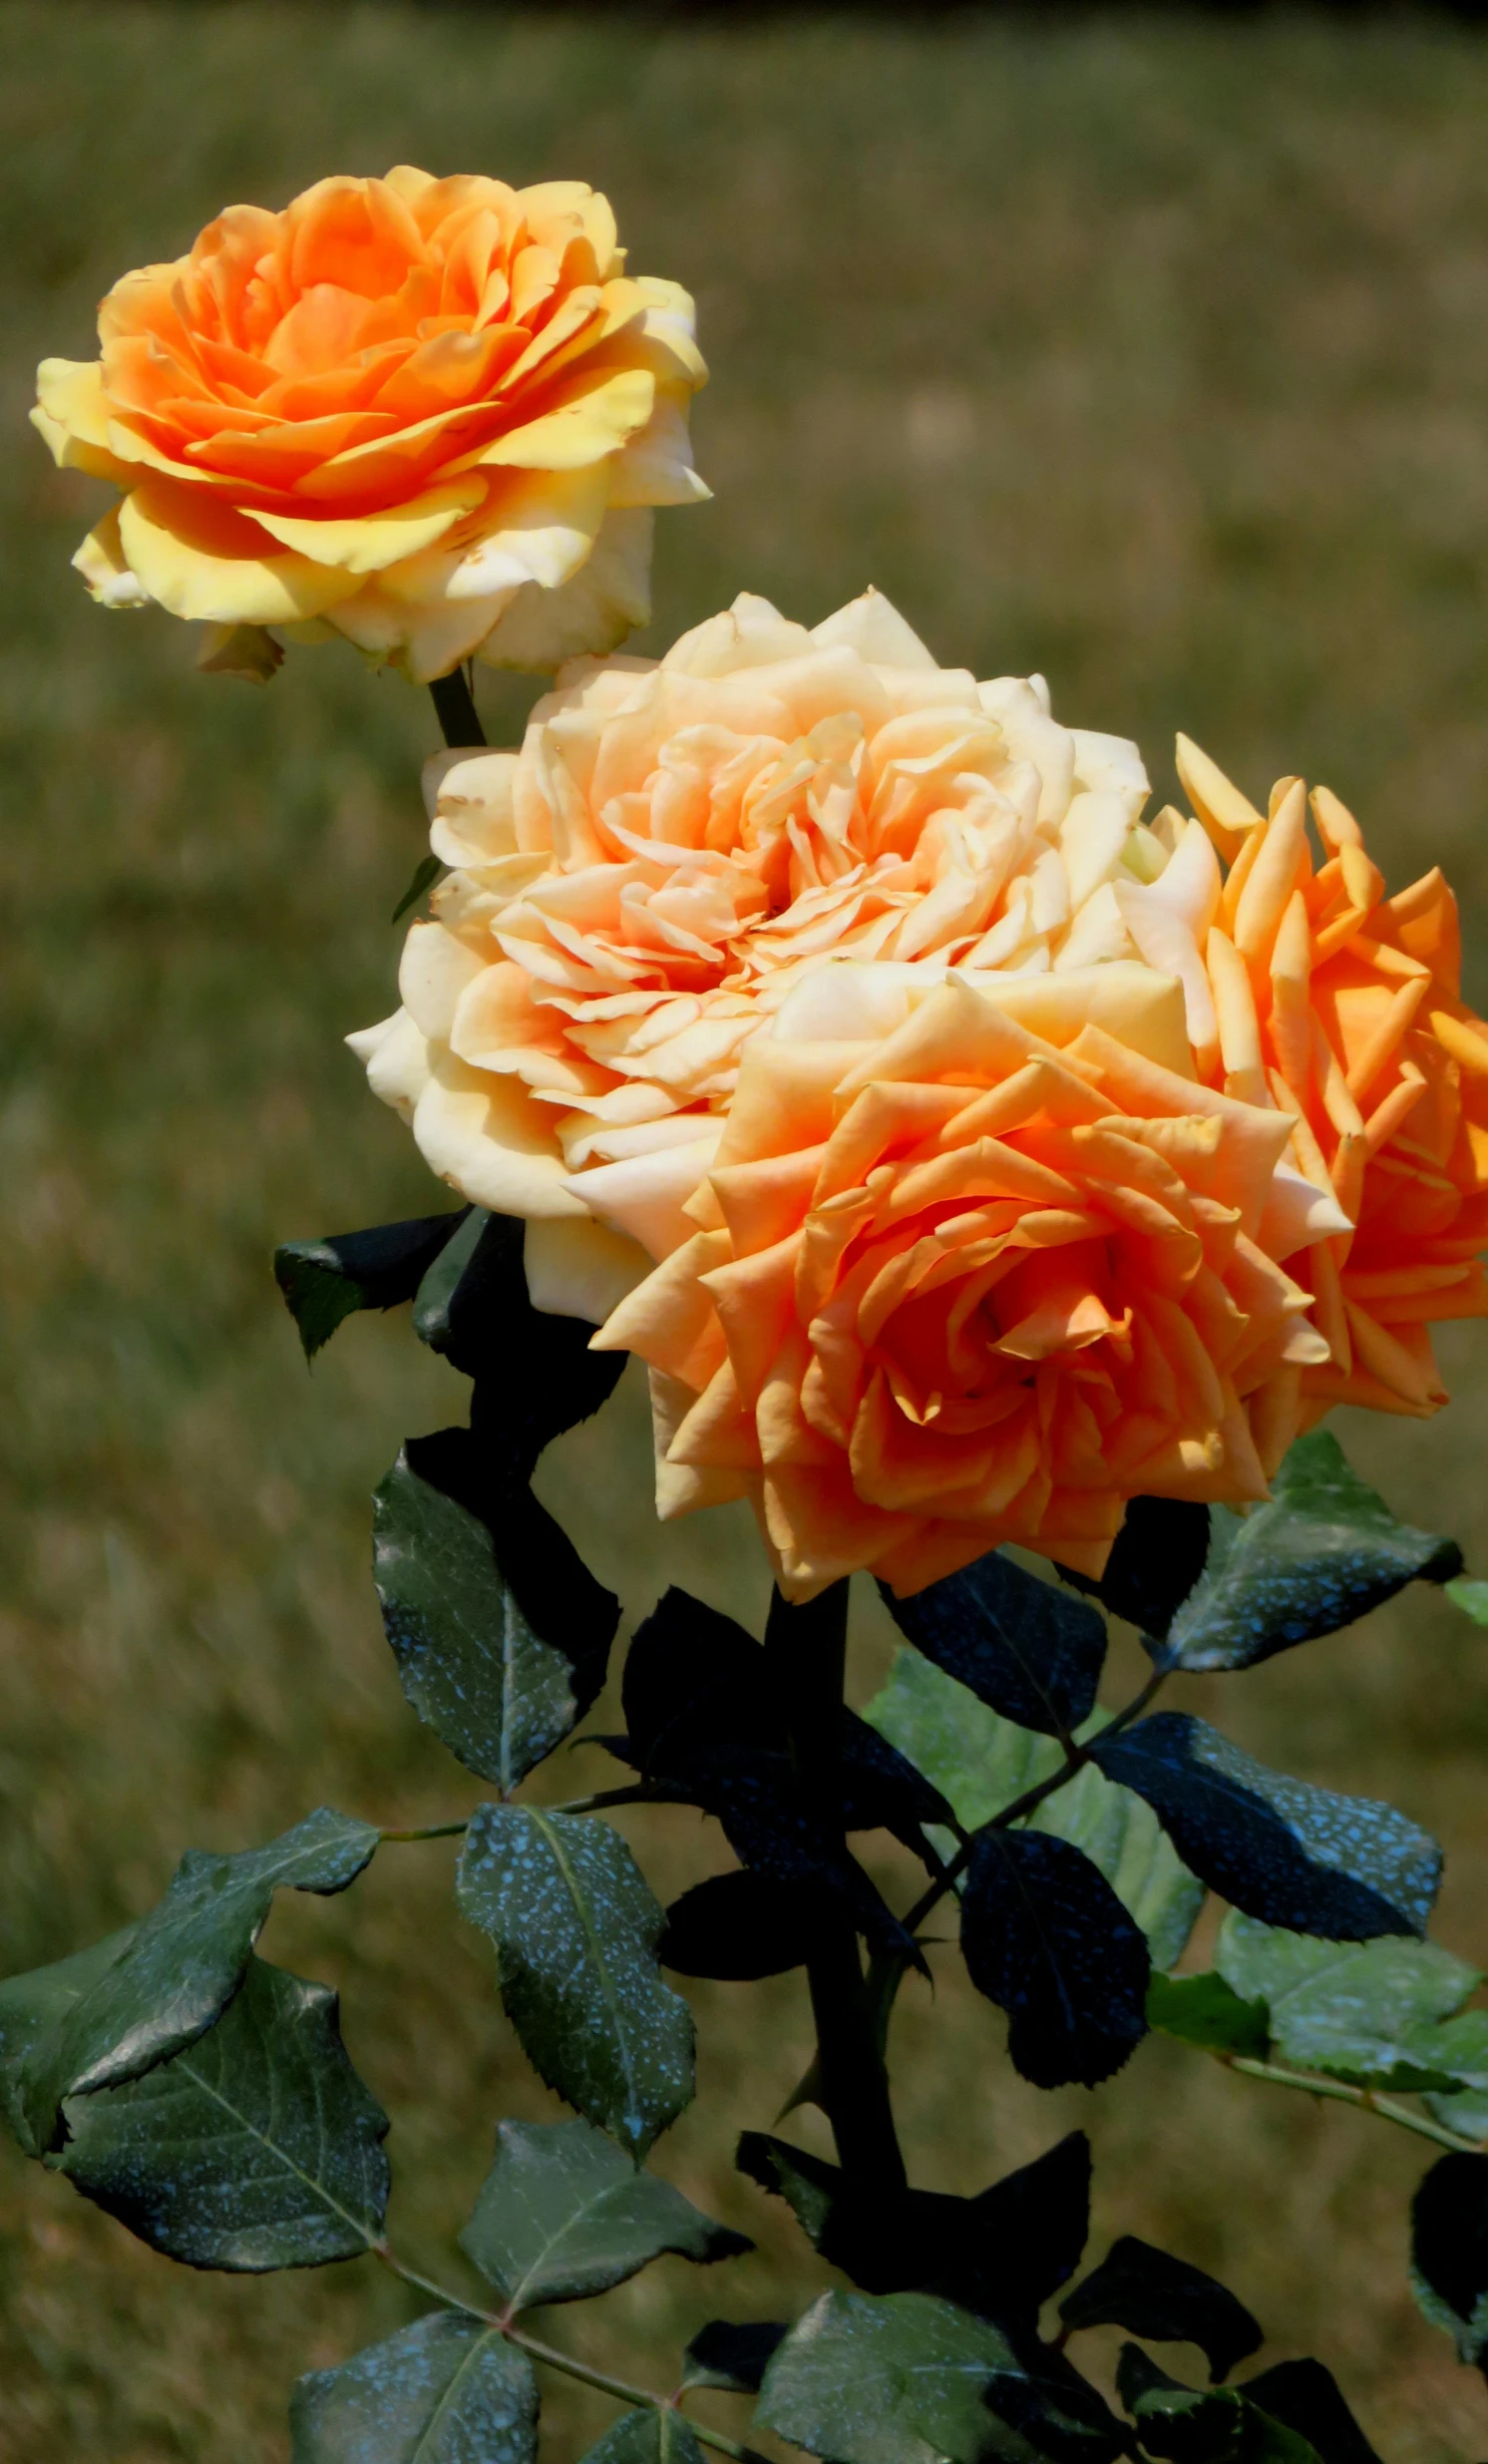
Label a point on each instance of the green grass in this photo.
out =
(1151, 354)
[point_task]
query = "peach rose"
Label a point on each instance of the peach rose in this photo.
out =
(429, 414)
(977, 1260)
(1342, 1007)
(674, 849)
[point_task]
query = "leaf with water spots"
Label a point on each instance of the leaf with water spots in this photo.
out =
(575, 1928)
(1344, 1867)
(447, 2391)
(259, 2147)
(1322, 1551)
(499, 1689)
(181, 1965)
(564, 2214)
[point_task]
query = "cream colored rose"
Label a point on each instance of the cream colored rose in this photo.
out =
(431, 415)
(678, 849)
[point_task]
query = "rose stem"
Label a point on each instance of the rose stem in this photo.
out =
(808, 1648)
(454, 704)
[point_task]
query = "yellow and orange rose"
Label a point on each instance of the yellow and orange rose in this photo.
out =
(980, 1275)
(675, 849)
(430, 415)
(1342, 1007)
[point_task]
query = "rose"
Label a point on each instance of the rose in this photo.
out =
(977, 1262)
(1342, 1007)
(430, 414)
(674, 847)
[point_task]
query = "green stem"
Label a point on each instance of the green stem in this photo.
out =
(645, 2398)
(637, 1795)
(1340, 2092)
(808, 1645)
(454, 704)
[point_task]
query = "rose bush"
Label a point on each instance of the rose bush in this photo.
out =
(976, 1264)
(431, 415)
(634, 894)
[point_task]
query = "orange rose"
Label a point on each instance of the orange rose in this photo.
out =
(430, 414)
(976, 1264)
(1344, 1007)
(635, 893)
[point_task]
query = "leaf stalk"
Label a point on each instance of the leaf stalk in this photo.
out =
(643, 2398)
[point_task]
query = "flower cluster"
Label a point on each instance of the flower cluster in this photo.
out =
(430, 415)
(964, 1155)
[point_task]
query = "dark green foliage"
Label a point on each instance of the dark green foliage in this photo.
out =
(499, 1692)
(447, 2391)
(564, 2214)
(257, 2148)
(549, 1584)
(704, 1708)
(575, 1928)
(705, 1724)
(181, 1966)
(1345, 1867)
(732, 2355)
(741, 1925)
(1157, 1558)
(327, 1279)
(1156, 2296)
(32, 2007)
(534, 1374)
(1449, 2250)
(1303, 2396)
(1204, 2010)
(1001, 2253)
(1211, 2426)
(649, 2435)
(1047, 1938)
(909, 2378)
(1031, 1651)
(1324, 1551)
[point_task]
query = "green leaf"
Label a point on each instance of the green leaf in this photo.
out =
(257, 2148)
(472, 1666)
(894, 2380)
(1464, 2110)
(425, 875)
(32, 2007)
(1470, 1594)
(1382, 2014)
(1324, 1551)
(575, 1928)
(1204, 2010)
(647, 2437)
(447, 2391)
(445, 1272)
(1212, 2425)
(184, 1963)
(327, 1281)
(982, 1762)
(564, 2214)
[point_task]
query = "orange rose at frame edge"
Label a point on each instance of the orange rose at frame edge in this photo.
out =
(976, 1276)
(429, 415)
(1344, 1007)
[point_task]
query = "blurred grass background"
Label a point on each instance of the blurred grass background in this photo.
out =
(1153, 353)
